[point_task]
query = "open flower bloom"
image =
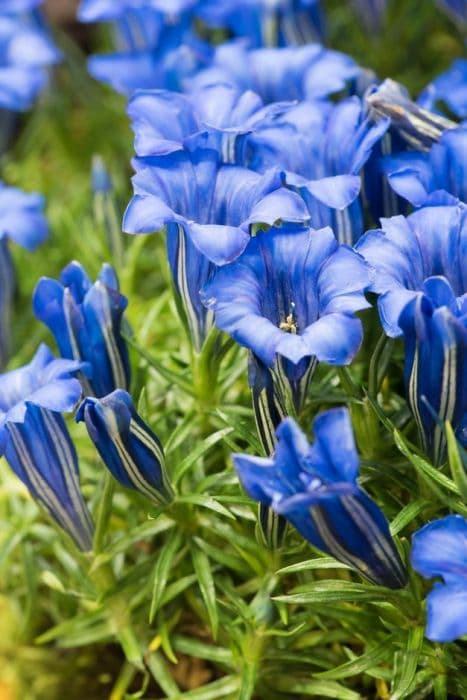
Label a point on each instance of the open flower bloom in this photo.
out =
(323, 149)
(156, 46)
(423, 178)
(449, 88)
(208, 209)
(292, 294)
(406, 251)
(127, 445)
(86, 321)
(315, 487)
(21, 220)
(35, 441)
(266, 23)
(216, 116)
(26, 51)
(275, 74)
(440, 549)
(434, 325)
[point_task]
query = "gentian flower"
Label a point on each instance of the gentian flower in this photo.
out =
(266, 23)
(406, 251)
(292, 295)
(434, 325)
(22, 221)
(419, 127)
(208, 209)
(216, 116)
(127, 445)
(440, 549)
(315, 487)
(86, 321)
(449, 88)
(275, 74)
(35, 441)
(456, 10)
(323, 149)
(423, 178)
(26, 51)
(156, 47)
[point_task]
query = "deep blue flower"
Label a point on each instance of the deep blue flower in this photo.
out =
(440, 549)
(21, 220)
(26, 50)
(156, 46)
(216, 116)
(449, 88)
(315, 487)
(275, 74)
(208, 209)
(457, 11)
(86, 321)
(323, 148)
(422, 178)
(434, 325)
(292, 295)
(406, 251)
(35, 440)
(266, 23)
(127, 445)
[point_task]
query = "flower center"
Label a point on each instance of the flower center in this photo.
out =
(290, 324)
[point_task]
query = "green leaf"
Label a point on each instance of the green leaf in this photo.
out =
(161, 674)
(200, 650)
(407, 514)
(208, 502)
(313, 564)
(162, 570)
(203, 571)
(200, 449)
(333, 592)
(406, 664)
(218, 689)
(173, 378)
(222, 556)
(456, 464)
(371, 658)
(421, 465)
(321, 689)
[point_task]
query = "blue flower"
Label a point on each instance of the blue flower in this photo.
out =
(21, 220)
(26, 51)
(456, 10)
(215, 116)
(423, 178)
(434, 325)
(86, 321)
(323, 148)
(449, 88)
(406, 251)
(440, 549)
(128, 447)
(265, 23)
(35, 440)
(156, 47)
(292, 294)
(275, 74)
(315, 487)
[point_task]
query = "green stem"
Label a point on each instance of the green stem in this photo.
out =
(348, 382)
(379, 363)
(104, 512)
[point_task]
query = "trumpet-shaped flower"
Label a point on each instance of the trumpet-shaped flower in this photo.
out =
(323, 148)
(86, 321)
(127, 445)
(266, 23)
(21, 220)
(406, 251)
(315, 487)
(275, 74)
(35, 440)
(434, 325)
(440, 549)
(422, 178)
(449, 88)
(26, 51)
(216, 116)
(292, 294)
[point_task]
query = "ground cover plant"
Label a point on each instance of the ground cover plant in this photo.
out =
(233, 348)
